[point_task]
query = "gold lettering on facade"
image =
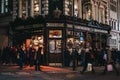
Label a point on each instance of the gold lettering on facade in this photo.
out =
(29, 26)
(87, 29)
(55, 24)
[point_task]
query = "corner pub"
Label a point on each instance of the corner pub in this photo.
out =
(56, 33)
(53, 35)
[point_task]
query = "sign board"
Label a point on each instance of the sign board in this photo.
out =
(87, 28)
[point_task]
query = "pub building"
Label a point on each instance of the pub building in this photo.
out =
(54, 35)
(55, 32)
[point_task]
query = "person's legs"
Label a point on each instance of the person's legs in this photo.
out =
(93, 71)
(114, 67)
(84, 67)
(105, 69)
(20, 64)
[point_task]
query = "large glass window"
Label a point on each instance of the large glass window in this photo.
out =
(55, 46)
(76, 40)
(36, 41)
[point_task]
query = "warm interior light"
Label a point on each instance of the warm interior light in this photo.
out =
(36, 8)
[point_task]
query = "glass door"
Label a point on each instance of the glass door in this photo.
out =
(55, 51)
(55, 47)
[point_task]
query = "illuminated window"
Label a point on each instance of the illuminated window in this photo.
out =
(2, 8)
(24, 13)
(68, 7)
(36, 7)
(6, 6)
(6, 9)
(6, 2)
(55, 34)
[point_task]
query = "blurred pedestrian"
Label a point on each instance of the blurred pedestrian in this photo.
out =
(67, 57)
(32, 52)
(88, 60)
(20, 57)
(108, 60)
(38, 59)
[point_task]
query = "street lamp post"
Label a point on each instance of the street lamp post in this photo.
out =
(73, 51)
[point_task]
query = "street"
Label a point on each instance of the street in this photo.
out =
(53, 73)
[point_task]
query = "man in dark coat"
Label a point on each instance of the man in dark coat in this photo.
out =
(38, 59)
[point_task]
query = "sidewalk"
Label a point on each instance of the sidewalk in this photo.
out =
(53, 73)
(48, 69)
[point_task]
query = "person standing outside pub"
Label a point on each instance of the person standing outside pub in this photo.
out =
(38, 59)
(21, 55)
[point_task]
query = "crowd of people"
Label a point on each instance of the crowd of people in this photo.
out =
(96, 57)
(82, 57)
(22, 56)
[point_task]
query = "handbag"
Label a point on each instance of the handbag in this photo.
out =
(109, 67)
(89, 67)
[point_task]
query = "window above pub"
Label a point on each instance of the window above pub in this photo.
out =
(4, 6)
(36, 7)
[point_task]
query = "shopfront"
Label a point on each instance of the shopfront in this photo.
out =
(55, 35)
(83, 36)
(55, 43)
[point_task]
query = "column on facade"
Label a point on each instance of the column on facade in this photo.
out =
(93, 10)
(15, 8)
(45, 6)
(40, 6)
(32, 10)
(20, 8)
(80, 8)
(100, 41)
(26, 8)
(96, 40)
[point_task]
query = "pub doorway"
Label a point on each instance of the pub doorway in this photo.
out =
(55, 48)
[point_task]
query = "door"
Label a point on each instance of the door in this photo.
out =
(55, 52)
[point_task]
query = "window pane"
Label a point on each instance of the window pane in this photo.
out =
(55, 34)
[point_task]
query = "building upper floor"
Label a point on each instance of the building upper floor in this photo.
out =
(98, 10)
(85, 9)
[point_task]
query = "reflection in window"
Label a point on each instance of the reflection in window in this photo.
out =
(55, 34)
(55, 46)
